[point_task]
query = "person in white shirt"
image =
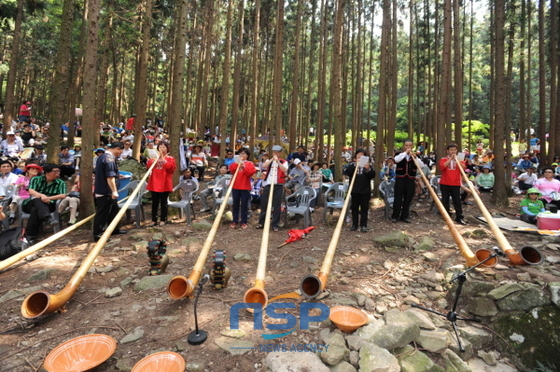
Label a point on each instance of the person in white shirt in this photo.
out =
(526, 180)
(127, 152)
(6, 176)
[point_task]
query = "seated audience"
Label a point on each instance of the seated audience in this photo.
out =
(531, 206)
(485, 180)
(549, 187)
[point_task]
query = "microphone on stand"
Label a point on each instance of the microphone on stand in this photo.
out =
(197, 336)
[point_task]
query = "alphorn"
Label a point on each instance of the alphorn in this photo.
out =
(179, 286)
(311, 286)
(459, 240)
(41, 302)
(526, 256)
(257, 294)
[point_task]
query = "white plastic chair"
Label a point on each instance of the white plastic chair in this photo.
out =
(188, 188)
(302, 199)
(334, 198)
(136, 204)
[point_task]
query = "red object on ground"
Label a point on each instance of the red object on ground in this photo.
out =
(295, 235)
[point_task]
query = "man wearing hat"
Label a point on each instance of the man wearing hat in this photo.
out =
(268, 171)
(525, 163)
(296, 177)
(106, 190)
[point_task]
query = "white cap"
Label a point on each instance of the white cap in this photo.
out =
(297, 161)
(10, 133)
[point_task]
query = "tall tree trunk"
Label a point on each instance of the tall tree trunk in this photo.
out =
(226, 74)
(237, 74)
(295, 78)
(254, 120)
(322, 85)
(9, 106)
(522, 94)
(90, 126)
(553, 129)
(383, 82)
(277, 82)
(445, 88)
(141, 98)
(458, 72)
(499, 196)
(336, 86)
(410, 100)
(542, 85)
(471, 75)
(61, 80)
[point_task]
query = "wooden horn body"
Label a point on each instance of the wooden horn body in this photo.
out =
(41, 302)
(312, 285)
(526, 256)
(180, 286)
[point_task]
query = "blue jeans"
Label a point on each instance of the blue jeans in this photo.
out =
(240, 198)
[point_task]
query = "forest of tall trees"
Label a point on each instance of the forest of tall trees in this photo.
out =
(371, 68)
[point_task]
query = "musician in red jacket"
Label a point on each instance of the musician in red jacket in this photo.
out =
(241, 190)
(450, 182)
(161, 182)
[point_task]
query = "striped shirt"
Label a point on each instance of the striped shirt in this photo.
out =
(40, 185)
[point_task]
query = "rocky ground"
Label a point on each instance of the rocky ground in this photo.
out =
(381, 272)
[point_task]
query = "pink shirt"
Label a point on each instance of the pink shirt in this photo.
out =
(547, 187)
(23, 185)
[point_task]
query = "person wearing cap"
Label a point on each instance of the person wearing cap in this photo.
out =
(11, 147)
(526, 180)
(38, 156)
(106, 190)
(229, 158)
(485, 180)
(97, 152)
(296, 177)
(282, 169)
(450, 182)
(66, 162)
(263, 157)
(388, 170)
(361, 191)
(241, 189)
(405, 183)
(106, 136)
(531, 206)
(44, 191)
(25, 112)
(524, 163)
(198, 158)
(22, 184)
(298, 154)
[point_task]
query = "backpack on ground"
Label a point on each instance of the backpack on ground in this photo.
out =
(11, 242)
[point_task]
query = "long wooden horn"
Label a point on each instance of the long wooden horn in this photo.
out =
(41, 302)
(311, 286)
(257, 294)
(180, 286)
(527, 255)
(459, 240)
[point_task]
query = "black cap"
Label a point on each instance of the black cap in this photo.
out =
(116, 145)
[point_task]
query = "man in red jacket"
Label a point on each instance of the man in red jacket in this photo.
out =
(241, 190)
(450, 183)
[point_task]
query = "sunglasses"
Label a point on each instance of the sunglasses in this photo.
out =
(548, 172)
(533, 193)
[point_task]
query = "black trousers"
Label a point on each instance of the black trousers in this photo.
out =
(157, 199)
(240, 201)
(455, 193)
(404, 193)
(276, 204)
(360, 207)
(106, 209)
(38, 212)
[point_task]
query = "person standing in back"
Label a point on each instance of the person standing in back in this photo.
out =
(450, 182)
(241, 190)
(404, 183)
(361, 191)
(161, 182)
(106, 190)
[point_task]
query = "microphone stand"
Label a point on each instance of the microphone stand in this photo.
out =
(452, 315)
(198, 336)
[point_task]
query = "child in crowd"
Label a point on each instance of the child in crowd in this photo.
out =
(531, 205)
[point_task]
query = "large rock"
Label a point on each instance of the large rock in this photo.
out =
(532, 338)
(202, 225)
(482, 307)
(425, 244)
(419, 318)
(294, 362)
(15, 293)
(398, 331)
(392, 240)
(479, 338)
(555, 292)
(475, 288)
(337, 350)
(134, 336)
(455, 364)
(343, 367)
(375, 359)
(235, 346)
(504, 290)
(41, 275)
(524, 300)
(412, 360)
(433, 341)
(152, 282)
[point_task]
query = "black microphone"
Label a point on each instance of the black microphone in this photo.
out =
(204, 279)
(498, 251)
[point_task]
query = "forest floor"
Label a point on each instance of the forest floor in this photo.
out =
(358, 264)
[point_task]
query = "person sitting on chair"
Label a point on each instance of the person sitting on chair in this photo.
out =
(206, 193)
(296, 177)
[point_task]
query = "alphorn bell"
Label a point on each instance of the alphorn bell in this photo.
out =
(459, 240)
(526, 256)
(257, 294)
(311, 286)
(179, 286)
(41, 302)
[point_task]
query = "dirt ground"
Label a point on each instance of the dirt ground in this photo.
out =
(166, 323)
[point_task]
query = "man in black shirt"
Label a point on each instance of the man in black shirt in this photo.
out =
(106, 190)
(405, 184)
